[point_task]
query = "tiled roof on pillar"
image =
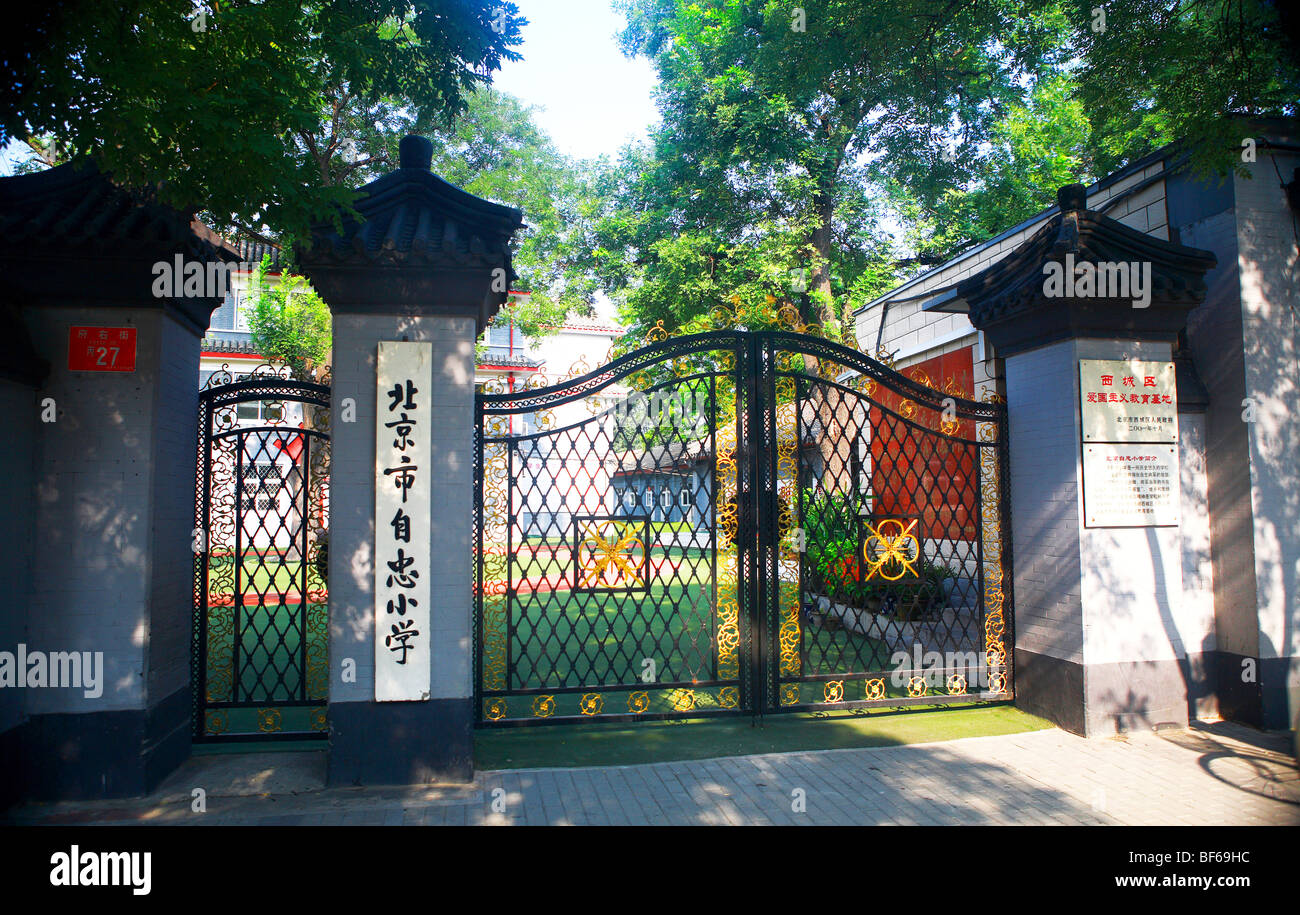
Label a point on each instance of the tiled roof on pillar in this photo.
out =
(71, 230)
(1010, 300)
(414, 226)
(76, 206)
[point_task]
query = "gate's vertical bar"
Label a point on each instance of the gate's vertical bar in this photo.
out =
(199, 631)
(801, 391)
(510, 562)
(711, 480)
(744, 527)
(1005, 556)
(476, 631)
(751, 502)
(768, 501)
(982, 470)
(237, 595)
(302, 593)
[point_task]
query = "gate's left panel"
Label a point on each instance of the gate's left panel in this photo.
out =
(261, 602)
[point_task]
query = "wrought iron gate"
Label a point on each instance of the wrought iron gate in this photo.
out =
(737, 522)
(261, 607)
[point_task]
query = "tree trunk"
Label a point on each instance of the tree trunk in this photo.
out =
(824, 207)
(820, 281)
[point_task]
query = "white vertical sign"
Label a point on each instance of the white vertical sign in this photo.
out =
(403, 421)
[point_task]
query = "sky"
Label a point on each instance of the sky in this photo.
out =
(591, 99)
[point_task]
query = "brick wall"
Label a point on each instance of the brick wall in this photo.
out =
(94, 494)
(1045, 501)
(175, 435)
(1270, 317)
(19, 403)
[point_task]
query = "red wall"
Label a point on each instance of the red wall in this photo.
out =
(926, 474)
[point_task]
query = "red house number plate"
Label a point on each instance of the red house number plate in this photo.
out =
(101, 349)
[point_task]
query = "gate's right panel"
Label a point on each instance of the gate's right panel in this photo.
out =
(890, 509)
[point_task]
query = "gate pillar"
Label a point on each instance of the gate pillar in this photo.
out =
(426, 262)
(98, 380)
(1105, 641)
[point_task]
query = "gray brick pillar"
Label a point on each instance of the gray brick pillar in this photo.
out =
(98, 481)
(427, 262)
(1099, 645)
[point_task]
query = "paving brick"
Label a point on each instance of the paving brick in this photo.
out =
(1044, 777)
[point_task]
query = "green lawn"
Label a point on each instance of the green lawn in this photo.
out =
(270, 643)
(661, 741)
(559, 639)
(601, 640)
(262, 572)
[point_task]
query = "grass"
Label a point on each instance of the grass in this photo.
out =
(264, 572)
(270, 643)
(569, 639)
(664, 741)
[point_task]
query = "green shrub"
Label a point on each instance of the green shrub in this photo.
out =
(832, 532)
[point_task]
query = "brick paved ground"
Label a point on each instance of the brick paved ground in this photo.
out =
(1217, 775)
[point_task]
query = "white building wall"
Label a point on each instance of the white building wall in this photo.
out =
(1270, 311)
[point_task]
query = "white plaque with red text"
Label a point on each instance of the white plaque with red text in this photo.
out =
(1128, 401)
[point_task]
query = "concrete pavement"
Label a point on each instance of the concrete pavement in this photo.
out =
(1217, 774)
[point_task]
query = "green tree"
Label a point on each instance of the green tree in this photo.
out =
(1035, 147)
(496, 150)
(1156, 71)
(773, 117)
(1136, 76)
(233, 107)
(289, 322)
(799, 131)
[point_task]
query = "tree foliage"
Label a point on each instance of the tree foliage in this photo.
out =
(289, 322)
(231, 107)
(496, 150)
(1186, 70)
(773, 122)
(859, 140)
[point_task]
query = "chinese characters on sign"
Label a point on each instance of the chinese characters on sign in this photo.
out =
(1129, 414)
(402, 535)
(1130, 485)
(1132, 401)
(101, 349)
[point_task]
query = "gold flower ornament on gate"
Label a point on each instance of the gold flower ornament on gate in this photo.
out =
(891, 548)
(612, 551)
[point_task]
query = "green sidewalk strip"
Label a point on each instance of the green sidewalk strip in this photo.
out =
(666, 741)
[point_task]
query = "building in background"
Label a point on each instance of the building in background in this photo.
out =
(228, 342)
(509, 362)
